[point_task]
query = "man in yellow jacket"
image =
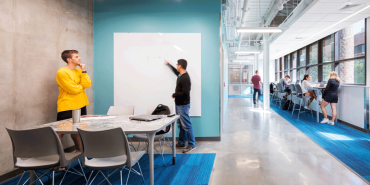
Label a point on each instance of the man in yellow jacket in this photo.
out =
(72, 83)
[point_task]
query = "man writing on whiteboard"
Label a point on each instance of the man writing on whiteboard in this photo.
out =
(182, 101)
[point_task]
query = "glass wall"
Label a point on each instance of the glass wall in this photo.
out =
(240, 77)
(342, 51)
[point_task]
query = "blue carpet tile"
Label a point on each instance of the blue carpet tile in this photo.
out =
(240, 96)
(350, 146)
(189, 169)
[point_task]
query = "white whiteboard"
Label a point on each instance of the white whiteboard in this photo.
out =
(140, 77)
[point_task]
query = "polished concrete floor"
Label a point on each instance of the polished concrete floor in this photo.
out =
(261, 147)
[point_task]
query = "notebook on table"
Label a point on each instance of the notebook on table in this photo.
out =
(145, 117)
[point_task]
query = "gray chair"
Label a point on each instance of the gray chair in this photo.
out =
(281, 93)
(293, 94)
(40, 149)
(273, 94)
(122, 110)
(300, 98)
(118, 110)
(162, 138)
(106, 150)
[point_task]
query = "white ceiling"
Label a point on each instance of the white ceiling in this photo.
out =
(320, 15)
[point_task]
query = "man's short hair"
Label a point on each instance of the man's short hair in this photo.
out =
(183, 63)
(256, 71)
(68, 54)
(287, 76)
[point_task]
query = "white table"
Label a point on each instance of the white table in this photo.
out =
(128, 126)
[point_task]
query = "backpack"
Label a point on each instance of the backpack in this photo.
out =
(272, 87)
(286, 105)
(162, 110)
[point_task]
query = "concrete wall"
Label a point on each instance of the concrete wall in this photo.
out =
(33, 33)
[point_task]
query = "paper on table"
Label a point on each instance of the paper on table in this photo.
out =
(95, 117)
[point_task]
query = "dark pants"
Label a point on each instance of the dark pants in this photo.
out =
(68, 114)
(254, 95)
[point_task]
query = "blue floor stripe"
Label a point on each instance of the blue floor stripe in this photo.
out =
(189, 169)
(240, 96)
(350, 146)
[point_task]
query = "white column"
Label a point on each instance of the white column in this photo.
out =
(266, 72)
(255, 63)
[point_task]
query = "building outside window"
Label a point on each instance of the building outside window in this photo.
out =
(302, 57)
(313, 54)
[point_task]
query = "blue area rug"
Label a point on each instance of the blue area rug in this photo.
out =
(350, 146)
(240, 96)
(189, 169)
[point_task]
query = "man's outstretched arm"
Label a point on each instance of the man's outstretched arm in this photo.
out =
(173, 69)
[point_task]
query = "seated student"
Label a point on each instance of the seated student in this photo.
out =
(305, 87)
(285, 83)
(330, 95)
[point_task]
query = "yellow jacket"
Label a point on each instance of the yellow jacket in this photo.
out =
(72, 85)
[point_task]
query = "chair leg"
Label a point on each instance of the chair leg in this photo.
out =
(64, 174)
(160, 144)
(121, 176)
(142, 175)
(54, 176)
(94, 177)
(300, 103)
(82, 169)
(128, 176)
(131, 144)
(105, 177)
(21, 177)
(293, 109)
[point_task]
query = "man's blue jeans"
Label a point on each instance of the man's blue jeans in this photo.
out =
(254, 95)
(184, 124)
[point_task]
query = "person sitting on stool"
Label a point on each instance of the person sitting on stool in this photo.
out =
(330, 95)
(305, 87)
(285, 83)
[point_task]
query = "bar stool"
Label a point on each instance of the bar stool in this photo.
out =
(301, 98)
(280, 92)
(292, 94)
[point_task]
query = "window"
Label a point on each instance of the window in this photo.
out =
(328, 49)
(352, 71)
(302, 72)
(302, 57)
(294, 60)
(348, 38)
(313, 54)
(287, 62)
(343, 51)
(313, 73)
(326, 70)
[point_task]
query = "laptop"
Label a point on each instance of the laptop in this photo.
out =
(146, 117)
(322, 84)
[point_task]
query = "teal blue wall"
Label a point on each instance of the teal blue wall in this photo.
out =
(166, 16)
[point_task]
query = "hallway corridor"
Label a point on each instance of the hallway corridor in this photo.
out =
(261, 147)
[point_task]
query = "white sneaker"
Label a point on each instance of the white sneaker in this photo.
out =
(308, 108)
(331, 123)
(325, 120)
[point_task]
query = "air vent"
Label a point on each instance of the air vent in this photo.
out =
(349, 6)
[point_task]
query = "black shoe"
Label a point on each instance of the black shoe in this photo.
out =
(180, 146)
